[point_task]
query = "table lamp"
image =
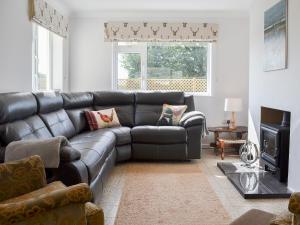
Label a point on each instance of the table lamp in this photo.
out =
(233, 105)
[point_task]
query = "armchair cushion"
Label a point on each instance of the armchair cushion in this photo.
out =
(24, 176)
(35, 203)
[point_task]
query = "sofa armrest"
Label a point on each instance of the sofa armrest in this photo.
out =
(22, 210)
(193, 118)
(69, 154)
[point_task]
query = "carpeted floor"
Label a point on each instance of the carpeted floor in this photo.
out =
(169, 194)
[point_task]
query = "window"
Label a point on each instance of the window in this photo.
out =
(163, 66)
(47, 60)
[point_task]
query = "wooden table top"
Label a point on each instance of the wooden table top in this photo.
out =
(240, 129)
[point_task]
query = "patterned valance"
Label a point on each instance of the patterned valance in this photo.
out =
(42, 13)
(141, 31)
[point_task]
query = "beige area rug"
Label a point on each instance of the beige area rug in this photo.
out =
(169, 194)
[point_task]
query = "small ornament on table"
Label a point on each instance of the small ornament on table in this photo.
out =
(228, 123)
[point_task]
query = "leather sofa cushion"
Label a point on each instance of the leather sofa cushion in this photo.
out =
(158, 135)
(59, 123)
(123, 102)
(78, 119)
(159, 98)
(159, 151)
(189, 102)
(123, 153)
(123, 136)
(92, 135)
(113, 98)
(94, 146)
(147, 114)
(16, 106)
(149, 105)
(48, 101)
(77, 100)
(30, 128)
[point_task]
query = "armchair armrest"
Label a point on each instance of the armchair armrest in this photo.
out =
(69, 154)
(193, 118)
(294, 203)
(22, 210)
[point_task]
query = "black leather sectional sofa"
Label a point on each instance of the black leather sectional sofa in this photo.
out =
(26, 116)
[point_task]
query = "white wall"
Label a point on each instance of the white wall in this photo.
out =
(91, 57)
(278, 89)
(15, 46)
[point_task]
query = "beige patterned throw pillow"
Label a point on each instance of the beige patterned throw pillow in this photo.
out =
(102, 119)
(171, 115)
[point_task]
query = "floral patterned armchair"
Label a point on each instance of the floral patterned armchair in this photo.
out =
(26, 198)
(259, 217)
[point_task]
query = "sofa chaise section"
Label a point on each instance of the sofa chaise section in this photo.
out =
(97, 149)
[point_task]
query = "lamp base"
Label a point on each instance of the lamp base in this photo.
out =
(232, 125)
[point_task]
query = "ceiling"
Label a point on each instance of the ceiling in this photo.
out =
(78, 6)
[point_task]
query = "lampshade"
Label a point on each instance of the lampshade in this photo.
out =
(233, 105)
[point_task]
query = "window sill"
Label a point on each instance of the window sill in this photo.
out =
(199, 94)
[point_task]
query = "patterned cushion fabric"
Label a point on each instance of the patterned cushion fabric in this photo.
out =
(294, 203)
(282, 219)
(70, 214)
(94, 214)
(34, 204)
(21, 177)
(57, 185)
(171, 115)
(102, 119)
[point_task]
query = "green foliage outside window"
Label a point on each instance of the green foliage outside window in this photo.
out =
(174, 61)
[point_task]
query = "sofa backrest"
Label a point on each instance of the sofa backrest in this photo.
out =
(189, 102)
(50, 109)
(75, 105)
(47, 114)
(18, 119)
(123, 102)
(149, 105)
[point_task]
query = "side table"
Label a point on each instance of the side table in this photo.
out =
(221, 143)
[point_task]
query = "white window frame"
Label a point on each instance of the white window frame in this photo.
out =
(35, 60)
(141, 48)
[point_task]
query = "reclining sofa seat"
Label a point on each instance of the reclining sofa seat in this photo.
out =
(153, 142)
(26, 116)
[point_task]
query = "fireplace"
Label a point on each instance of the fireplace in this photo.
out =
(269, 179)
(274, 142)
